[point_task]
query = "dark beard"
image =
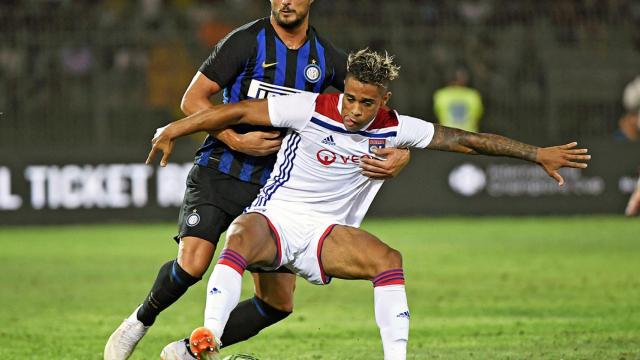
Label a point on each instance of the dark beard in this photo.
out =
(292, 25)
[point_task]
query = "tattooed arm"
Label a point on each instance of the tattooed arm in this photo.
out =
(550, 158)
(455, 140)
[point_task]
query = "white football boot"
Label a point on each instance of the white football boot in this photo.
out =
(177, 350)
(122, 342)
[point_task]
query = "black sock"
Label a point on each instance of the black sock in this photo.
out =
(248, 318)
(172, 282)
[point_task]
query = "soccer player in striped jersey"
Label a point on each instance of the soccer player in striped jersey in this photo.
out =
(268, 57)
(306, 217)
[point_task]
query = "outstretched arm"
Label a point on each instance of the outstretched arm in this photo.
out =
(550, 158)
(254, 143)
(255, 112)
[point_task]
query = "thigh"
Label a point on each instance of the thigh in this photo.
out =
(351, 253)
(212, 200)
(250, 235)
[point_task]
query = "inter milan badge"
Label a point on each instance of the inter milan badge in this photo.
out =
(376, 144)
(193, 219)
(312, 73)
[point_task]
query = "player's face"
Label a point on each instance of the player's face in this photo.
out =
(290, 13)
(361, 102)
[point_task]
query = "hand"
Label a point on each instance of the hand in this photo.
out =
(395, 161)
(258, 143)
(553, 158)
(162, 141)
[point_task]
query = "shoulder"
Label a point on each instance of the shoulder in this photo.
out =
(243, 34)
(327, 105)
(385, 118)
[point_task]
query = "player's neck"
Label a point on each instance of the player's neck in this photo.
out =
(293, 38)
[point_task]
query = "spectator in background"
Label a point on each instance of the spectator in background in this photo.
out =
(629, 123)
(629, 129)
(457, 105)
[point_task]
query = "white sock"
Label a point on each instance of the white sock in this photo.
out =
(392, 317)
(223, 294)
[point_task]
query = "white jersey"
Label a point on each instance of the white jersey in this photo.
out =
(317, 170)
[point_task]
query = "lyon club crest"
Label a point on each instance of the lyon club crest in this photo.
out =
(376, 144)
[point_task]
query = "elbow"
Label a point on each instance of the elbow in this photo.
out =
(185, 105)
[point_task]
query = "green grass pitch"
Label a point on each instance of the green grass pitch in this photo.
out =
(478, 288)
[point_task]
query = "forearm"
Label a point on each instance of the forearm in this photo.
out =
(209, 119)
(449, 139)
(191, 105)
(496, 145)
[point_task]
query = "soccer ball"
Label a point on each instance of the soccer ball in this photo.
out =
(241, 357)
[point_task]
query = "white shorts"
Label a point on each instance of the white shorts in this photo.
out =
(299, 239)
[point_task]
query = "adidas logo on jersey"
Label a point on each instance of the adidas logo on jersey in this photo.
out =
(328, 140)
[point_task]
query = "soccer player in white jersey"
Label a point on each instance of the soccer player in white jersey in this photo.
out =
(306, 217)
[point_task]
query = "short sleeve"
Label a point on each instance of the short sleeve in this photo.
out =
(292, 111)
(228, 58)
(414, 132)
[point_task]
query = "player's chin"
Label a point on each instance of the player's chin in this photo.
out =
(288, 20)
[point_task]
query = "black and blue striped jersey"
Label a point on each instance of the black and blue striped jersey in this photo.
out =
(252, 62)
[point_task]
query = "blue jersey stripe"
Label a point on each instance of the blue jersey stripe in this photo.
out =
(320, 49)
(258, 70)
(283, 166)
(303, 60)
(287, 174)
(288, 161)
(363, 133)
(235, 89)
(281, 66)
(247, 169)
(225, 161)
(205, 150)
(265, 174)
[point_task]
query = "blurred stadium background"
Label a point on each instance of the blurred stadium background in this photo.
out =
(84, 84)
(87, 82)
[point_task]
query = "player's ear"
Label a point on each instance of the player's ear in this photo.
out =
(386, 98)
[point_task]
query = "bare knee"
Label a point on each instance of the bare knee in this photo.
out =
(250, 236)
(236, 241)
(392, 259)
(194, 255)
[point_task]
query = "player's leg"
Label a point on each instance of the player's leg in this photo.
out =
(250, 316)
(350, 253)
(176, 276)
(272, 302)
(201, 223)
(249, 241)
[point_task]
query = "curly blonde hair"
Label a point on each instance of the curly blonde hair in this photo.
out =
(370, 67)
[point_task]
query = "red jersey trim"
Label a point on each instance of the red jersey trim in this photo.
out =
(327, 105)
